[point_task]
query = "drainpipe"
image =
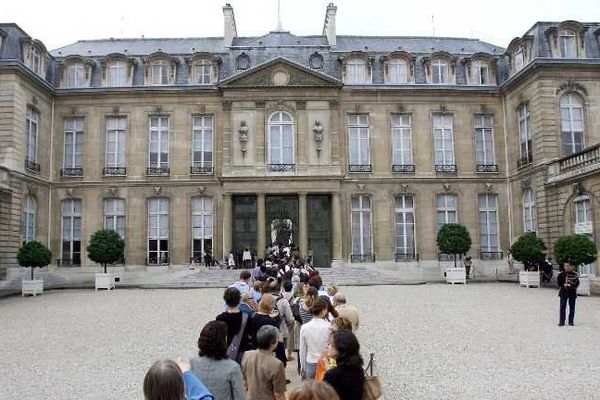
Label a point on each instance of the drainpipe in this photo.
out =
(508, 185)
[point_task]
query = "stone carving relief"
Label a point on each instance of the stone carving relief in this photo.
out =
(318, 131)
(446, 187)
(113, 190)
(243, 131)
(157, 190)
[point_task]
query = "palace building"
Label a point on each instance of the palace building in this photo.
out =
(355, 148)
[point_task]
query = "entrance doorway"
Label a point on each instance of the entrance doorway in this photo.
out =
(319, 229)
(282, 220)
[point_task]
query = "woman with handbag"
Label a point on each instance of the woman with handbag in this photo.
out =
(348, 377)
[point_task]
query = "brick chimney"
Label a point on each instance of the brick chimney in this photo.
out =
(229, 24)
(329, 25)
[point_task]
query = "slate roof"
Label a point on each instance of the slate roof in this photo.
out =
(415, 45)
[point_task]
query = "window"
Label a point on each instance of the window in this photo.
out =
(446, 210)
(525, 134)
(405, 227)
(356, 72)
(116, 145)
(114, 215)
(529, 216)
(73, 143)
(71, 232)
(358, 129)
(361, 225)
(117, 73)
(402, 139)
(202, 146)
(439, 71)
(158, 231)
(484, 143)
(203, 72)
(583, 214)
(519, 59)
(443, 140)
(160, 72)
(75, 75)
(159, 142)
(202, 225)
(31, 125)
(567, 42)
(281, 139)
(480, 73)
(397, 71)
(571, 122)
(29, 219)
(36, 61)
(488, 223)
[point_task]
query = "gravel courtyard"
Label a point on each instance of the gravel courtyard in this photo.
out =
(482, 341)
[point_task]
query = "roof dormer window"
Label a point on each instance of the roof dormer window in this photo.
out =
(159, 72)
(480, 71)
(567, 41)
(439, 71)
(397, 71)
(356, 72)
(117, 73)
(36, 61)
(519, 59)
(202, 72)
(76, 75)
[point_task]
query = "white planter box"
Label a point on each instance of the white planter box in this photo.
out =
(584, 285)
(105, 281)
(529, 278)
(33, 287)
(456, 275)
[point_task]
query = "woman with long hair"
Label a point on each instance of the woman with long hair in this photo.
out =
(313, 338)
(348, 377)
(222, 376)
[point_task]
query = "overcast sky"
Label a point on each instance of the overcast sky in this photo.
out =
(60, 22)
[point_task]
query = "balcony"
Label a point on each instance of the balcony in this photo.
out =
(487, 168)
(71, 172)
(362, 258)
(575, 165)
(31, 166)
(405, 257)
(281, 167)
(525, 161)
(360, 168)
(446, 168)
(114, 171)
(201, 168)
(403, 168)
(491, 255)
(158, 171)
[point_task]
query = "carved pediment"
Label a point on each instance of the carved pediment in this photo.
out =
(280, 73)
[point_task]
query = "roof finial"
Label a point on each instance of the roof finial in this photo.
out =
(279, 24)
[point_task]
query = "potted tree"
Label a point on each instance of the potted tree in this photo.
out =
(33, 254)
(454, 239)
(577, 250)
(106, 247)
(530, 250)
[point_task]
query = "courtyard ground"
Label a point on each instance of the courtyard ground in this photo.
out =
(481, 341)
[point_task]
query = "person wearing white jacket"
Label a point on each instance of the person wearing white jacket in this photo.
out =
(313, 339)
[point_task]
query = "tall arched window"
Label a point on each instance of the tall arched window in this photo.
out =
(567, 42)
(571, 122)
(158, 231)
(71, 232)
(529, 216)
(29, 219)
(281, 141)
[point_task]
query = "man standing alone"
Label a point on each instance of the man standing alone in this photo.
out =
(567, 291)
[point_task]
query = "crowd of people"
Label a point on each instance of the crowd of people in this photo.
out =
(279, 312)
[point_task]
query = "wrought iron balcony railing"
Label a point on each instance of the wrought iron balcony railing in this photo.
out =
(201, 169)
(32, 166)
(525, 161)
(362, 258)
(71, 172)
(487, 168)
(403, 168)
(360, 167)
(449, 168)
(158, 171)
(403, 257)
(118, 171)
(157, 260)
(281, 167)
(491, 255)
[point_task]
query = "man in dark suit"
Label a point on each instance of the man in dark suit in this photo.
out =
(567, 291)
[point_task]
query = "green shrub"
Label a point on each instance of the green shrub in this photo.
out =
(106, 247)
(575, 249)
(34, 254)
(454, 239)
(529, 249)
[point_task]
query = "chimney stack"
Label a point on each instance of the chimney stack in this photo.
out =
(229, 24)
(329, 25)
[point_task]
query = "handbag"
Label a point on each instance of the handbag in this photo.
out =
(233, 351)
(372, 385)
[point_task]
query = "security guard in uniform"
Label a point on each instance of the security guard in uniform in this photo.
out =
(567, 291)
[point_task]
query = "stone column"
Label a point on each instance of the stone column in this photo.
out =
(303, 224)
(227, 225)
(260, 220)
(336, 228)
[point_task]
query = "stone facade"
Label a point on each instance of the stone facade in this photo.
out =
(320, 84)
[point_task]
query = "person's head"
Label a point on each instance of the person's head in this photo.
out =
(267, 337)
(339, 299)
(248, 299)
(212, 342)
(232, 297)
(245, 275)
(344, 348)
(314, 390)
(316, 282)
(569, 267)
(164, 381)
(267, 302)
(287, 285)
(319, 307)
(340, 323)
(310, 295)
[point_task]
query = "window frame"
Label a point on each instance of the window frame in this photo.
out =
(165, 70)
(76, 75)
(202, 129)
(120, 148)
(113, 214)
(563, 49)
(160, 131)
(202, 64)
(519, 56)
(525, 134)
(121, 68)
(529, 212)
(353, 71)
(400, 129)
(202, 213)
(483, 132)
(394, 78)
(32, 121)
(279, 126)
(476, 75)
(443, 130)
(488, 209)
(446, 209)
(70, 160)
(362, 223)
(439, 63)
(157, 234)
(404, 210)
(572, 132)
(29, 228)
(72, 215)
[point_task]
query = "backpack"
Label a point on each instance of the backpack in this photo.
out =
(295, 306)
